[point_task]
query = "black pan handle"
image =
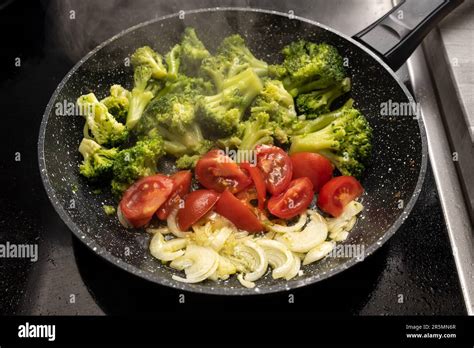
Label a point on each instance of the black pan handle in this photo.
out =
(395, 36)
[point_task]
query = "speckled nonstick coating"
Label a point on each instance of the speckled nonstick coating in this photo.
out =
(395, 173)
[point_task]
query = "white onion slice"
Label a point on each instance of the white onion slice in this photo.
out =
(279, 257)
(255, 259)
(173, 225)
(314, 233)
(295, 268)
(298, 226)
(166, 250)
(204, 263)
(245, 283)
(318, 252)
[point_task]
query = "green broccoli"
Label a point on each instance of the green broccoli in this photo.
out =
(346, 141)
(277, 103)
(105, 129)
(256, 131)
(146, 56)
(187, 161)
(143, 92)
(136, 162)
(98, 161)
(173, 118)
(308, 66)
(319, 102)
(231, 59)
(193, 52)
(118, 103)
(221, 113)
(173, 61)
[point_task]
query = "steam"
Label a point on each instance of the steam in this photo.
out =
(77, 26)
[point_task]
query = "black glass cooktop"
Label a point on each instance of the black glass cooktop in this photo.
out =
(413, 273)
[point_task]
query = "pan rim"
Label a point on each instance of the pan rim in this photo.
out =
(210, 290)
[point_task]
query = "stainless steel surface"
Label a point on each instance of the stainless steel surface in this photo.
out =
(455, 212)
(451, 101)
(457, 37)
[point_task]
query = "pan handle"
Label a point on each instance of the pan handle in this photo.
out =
(395, 36)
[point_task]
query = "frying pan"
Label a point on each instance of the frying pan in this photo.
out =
(393, 178)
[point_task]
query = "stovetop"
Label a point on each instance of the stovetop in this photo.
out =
(413, 273)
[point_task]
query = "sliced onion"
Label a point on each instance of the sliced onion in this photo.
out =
(224, 270)
(254, 257)
(279, 257)
(314, 233)
(295, 268)
(318, 252)
(204, 264)
(166, 250)
(219, 238)
(298, 226)
(173, 225)
(344, 222)
(246, 283)
(162, 230)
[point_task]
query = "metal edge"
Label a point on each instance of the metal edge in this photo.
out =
(450, 193)
(209, 290)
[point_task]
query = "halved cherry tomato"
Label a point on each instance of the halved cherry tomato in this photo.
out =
(248, 195)
(219, 172)
(315, 167)
(257, 178)
(293, 201)
(144, 197)
(337, 193)
(196, 204)
(238, 213)
(182, 183)
(276, 167)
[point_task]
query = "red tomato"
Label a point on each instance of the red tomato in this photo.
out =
(337, 192)
(196, 204)
(216, 171)
(182, 184)
(293, 201)
(259, 182)
(276, 167)
(313, 166)
(238, 213)
(144, 197)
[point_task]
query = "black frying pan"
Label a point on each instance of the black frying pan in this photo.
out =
(392, 180)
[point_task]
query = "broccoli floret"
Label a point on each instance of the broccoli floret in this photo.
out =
(98, 161)
(256, 131)
(234, 48)
(346, 141)
(146, 56)
(190, 86)
(277, 103)
(173, 61)
(231, 59)
(305, 126)
(118, 103)
(308, 66)
(173, 118)
(319, 102)
(221, 113)
(136, 162)
(187, 162)
(193, 52)
(143, 92)
(105, 129)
